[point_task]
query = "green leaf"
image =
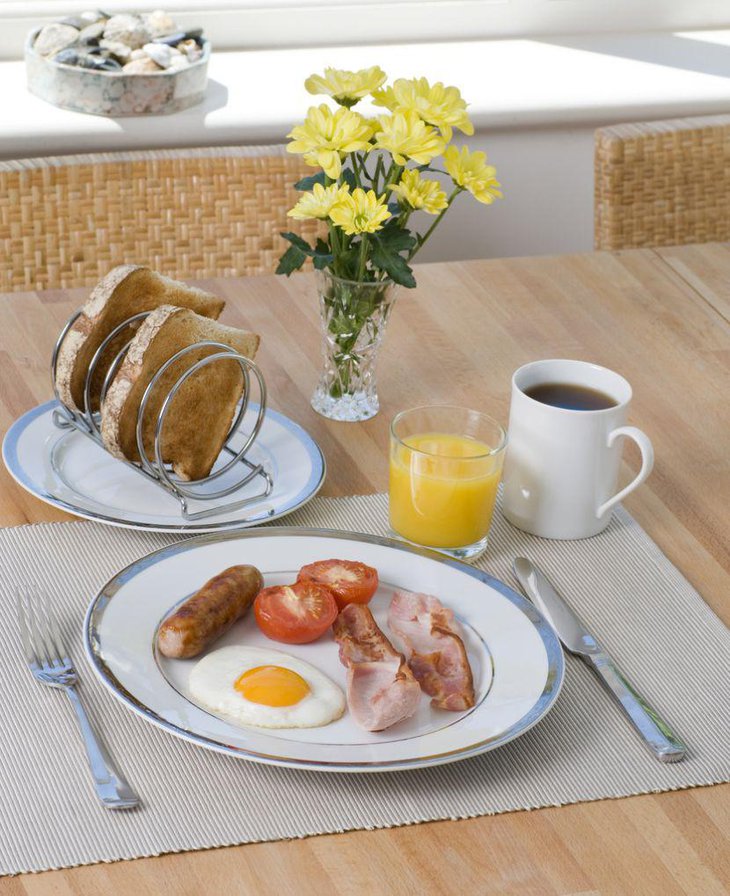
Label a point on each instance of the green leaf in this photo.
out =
(388, 243)
(291, 261)
(394, 266)
(395, 238)
(300, 250)
(322, 261)
(423, 168)
(322, 257)
(397, 269)
(306, 183)
(348, 263)
(395, 208)
(299, 242)
(348, 176)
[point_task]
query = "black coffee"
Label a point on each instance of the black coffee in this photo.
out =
(571, 397)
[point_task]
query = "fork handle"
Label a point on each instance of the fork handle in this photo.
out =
(111, 788)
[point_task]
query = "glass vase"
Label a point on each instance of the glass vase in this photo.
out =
(354, 317)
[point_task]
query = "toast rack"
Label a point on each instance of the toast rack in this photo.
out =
(154, 468)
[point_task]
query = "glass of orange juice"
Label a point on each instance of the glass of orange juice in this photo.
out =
(445, 467)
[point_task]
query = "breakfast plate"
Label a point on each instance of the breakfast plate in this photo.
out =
(515, 657)
(68, 470)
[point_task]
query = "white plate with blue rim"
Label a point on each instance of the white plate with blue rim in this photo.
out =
(516, 659)
(68, 470)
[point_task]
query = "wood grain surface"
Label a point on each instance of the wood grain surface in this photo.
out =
(658, 317)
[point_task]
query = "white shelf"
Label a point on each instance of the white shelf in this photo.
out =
(255, 96)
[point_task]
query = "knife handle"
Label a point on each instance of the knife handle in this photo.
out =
(665, 745)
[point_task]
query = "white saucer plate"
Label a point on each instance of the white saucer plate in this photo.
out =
(85, 480)
(515, 656)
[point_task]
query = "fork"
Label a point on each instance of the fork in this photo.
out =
(50, 664)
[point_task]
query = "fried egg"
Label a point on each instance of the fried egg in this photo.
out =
(265, 688)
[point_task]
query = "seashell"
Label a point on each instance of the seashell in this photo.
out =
(162, 54)
(178, 61)
(54, 38)
(142, 67)
(69, 56)
(91, 34)
(159, 23)
(117, 49)
(99, 63)
(74, 21)
(178, 37)
(191, 49)
(127, 29)
(92, 16)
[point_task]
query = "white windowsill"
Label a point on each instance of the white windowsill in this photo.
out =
(256, 96)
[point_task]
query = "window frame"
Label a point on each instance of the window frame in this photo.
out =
(260, 24)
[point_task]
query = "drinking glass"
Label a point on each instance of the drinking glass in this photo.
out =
(445, 467)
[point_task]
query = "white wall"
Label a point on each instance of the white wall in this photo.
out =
(547, 181)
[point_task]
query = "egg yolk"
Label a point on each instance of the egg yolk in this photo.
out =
(272, 686)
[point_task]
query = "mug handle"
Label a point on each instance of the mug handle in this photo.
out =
(647, 462)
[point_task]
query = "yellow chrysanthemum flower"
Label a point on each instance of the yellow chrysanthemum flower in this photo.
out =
(406, 136)
(470, 171)
(417, 192)
(440, 106)
(344, 86)
(318, 203)
(385, 97)
(360, 212)
(326, 136)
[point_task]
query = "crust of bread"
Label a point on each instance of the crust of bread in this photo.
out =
(128, 374)
(77, 336)
(125, 291)
(201, 412)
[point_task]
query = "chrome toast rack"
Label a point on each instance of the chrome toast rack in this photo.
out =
(88, 423)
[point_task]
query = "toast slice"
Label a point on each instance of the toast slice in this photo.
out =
(125, 291)
(201, 412)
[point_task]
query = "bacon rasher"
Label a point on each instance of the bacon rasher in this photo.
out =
(435, 652)
(381, 689)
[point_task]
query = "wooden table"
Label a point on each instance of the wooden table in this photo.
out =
(658, 317)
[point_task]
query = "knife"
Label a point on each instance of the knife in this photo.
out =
(666, 746)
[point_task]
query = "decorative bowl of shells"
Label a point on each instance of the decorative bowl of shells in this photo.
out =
(118, 65)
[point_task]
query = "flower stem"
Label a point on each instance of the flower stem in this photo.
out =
(363, 257)
(353, 157)
(334, 246)
(404, 216)
(355, 315)
(435, 224)
(379, 170)
(364, 171)
(393, 175)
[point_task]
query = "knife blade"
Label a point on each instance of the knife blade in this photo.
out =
(658, 736)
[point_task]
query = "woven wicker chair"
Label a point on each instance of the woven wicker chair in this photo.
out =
(66, 220)
(662, 183)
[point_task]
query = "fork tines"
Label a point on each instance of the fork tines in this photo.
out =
(39, 632)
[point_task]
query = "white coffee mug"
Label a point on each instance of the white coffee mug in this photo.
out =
(562, 465)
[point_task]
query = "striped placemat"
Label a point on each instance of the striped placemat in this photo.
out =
(656, 625)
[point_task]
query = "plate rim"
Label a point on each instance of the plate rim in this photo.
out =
(14, 467)
(545, 702)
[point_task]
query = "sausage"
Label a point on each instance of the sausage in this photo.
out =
(210, 612)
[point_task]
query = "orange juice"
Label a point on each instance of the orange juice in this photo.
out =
(443, 488)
